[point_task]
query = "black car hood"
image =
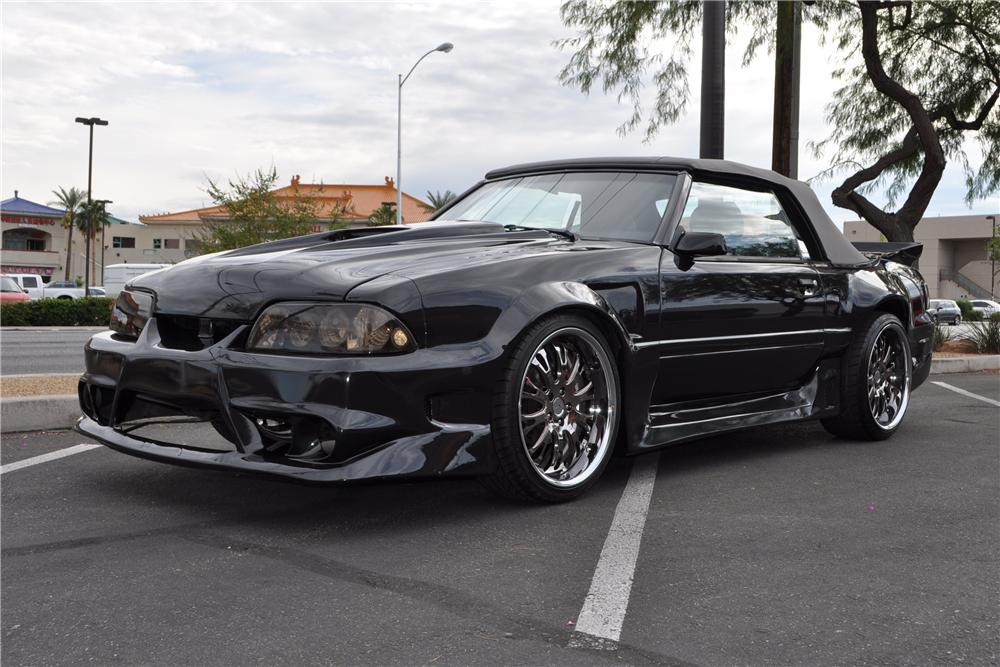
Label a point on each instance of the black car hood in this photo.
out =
(237, 283)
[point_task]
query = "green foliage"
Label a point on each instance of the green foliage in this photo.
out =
(984, 336)
(253, 214)
(974, 316)
(438, 200)
(71, 200)
(91, 218)
(91, 311)
(945, 53)
(965, 306)
(383, 215)
(941, 336)
(995, 317)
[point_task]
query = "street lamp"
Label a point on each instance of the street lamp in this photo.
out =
(91, 122)
(104, 203)
(443, 48)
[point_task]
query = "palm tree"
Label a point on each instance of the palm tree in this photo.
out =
(72, 201)
(383, 215)
(89, 219)
(439, 200)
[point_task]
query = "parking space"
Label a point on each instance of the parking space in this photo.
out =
(778, 545)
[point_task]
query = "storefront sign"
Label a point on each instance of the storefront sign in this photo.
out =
(27, 219)
(36, 270)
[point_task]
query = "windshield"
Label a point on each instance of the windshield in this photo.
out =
(8, 285)
(611, 205)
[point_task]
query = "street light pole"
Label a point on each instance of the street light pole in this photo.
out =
(90, 122)
(400, 80)
(993, 255)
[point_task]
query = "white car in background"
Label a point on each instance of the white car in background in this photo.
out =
(985, 307)
(37, 289)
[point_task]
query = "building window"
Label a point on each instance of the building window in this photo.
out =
(34, 244)
(172, 244)
(123, 242)
(157, 244)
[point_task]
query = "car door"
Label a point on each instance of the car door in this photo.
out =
(32, 285)
(743, 323)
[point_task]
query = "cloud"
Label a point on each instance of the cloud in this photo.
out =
(211, 89)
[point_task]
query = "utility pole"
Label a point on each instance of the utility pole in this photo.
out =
(787, 59)
(713, 79)
(91, 122)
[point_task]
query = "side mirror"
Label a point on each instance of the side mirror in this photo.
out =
(701, 244)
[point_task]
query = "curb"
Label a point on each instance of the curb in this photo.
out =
(54, 328)
(965, 364)
(39, 413)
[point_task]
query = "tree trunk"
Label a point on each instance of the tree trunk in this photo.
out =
(69, 248)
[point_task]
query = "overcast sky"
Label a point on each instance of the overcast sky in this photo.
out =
(210, 90)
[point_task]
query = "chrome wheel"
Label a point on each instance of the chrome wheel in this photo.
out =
(888, 378)
(567, 407)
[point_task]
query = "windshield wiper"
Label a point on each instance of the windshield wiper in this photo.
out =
(565, 233)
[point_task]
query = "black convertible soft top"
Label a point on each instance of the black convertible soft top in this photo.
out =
(837, 248)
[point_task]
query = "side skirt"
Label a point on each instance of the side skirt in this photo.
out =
(673, 423)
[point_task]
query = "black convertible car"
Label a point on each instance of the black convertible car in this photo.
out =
(553, 313)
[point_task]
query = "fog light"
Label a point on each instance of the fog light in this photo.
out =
(399, 338)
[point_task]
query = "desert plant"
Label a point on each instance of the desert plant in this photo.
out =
(941, 336)
(72, 201)
(383, 215)
(974, 316)
(984, 337)
(965, 306)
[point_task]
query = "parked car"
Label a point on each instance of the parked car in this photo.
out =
(945, 310)
(38, 289)
(552, 313)
(985, 307)
(10, 291)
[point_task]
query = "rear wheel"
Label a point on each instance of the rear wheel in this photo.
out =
(556, 412)
(876, 384)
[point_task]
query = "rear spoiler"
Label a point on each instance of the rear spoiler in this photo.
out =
(904, 252)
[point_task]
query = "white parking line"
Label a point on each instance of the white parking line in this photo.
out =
(599, 624)
(45, 458)
(963, 392)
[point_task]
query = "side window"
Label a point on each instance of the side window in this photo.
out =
(30, 282)
(753, 223)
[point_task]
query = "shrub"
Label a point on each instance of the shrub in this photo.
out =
(973, 316)
(984, 336)
(941, 336)
(965, 306)
(995, 317)
(92, 311)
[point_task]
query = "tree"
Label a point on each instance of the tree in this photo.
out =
(383, 215)
(438, 200)
(930, 74)
(91, 217)
(252, 213)
(71, 201)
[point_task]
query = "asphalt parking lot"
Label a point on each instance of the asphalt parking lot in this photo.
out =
(779, 545)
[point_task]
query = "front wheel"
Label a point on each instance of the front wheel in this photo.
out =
(875, 391)
(556, 412)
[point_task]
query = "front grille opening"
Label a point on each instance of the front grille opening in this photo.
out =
(183, 332)
(185, 432)
(307, 439)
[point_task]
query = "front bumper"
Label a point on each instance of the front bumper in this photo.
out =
(422, 414)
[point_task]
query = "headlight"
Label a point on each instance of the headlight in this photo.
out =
(312, 328)
(131, 312)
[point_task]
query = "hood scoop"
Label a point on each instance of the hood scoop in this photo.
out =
(367, 237)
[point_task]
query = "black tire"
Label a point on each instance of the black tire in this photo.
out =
(518, 474)
(861, 371)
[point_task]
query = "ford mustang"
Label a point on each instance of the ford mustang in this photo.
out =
(553, 314)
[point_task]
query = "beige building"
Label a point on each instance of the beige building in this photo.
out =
(34, 239)
(954, 262)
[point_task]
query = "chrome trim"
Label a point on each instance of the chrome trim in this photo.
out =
(671, 341)
(742, 349)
